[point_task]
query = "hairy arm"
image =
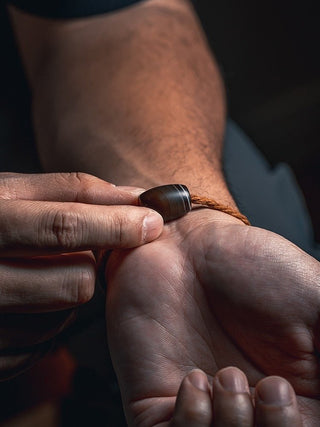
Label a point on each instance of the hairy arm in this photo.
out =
(134, 97)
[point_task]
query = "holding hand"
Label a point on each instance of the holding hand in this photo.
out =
(49, 223)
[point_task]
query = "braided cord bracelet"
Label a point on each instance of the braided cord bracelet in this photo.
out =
(212, 204)
(173, 201)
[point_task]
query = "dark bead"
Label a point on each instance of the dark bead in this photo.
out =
(171, 201)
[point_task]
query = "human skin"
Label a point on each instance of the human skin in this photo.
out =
(49, 225)
(230, 402)
(216, 295)
(119, 97)
(136, 98)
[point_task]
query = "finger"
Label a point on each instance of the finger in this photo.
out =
(47, 283)
(232, 405)
(29, 228)
(14, 364)
(193, 405)
(276, 404)
(65, 187)
(20, 333)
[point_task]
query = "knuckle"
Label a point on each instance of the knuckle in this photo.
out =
(8, 184)
(78, 179)
(83, 184)
(64, 227)
(121, 234)
(71, 177)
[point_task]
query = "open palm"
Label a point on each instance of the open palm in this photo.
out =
(211, 293)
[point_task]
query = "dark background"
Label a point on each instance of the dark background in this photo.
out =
(269, 55)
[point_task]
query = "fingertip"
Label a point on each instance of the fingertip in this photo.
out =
(275, 390)
(193, 405)
(152, 226)
(198, 379)
(233, 379)
(276, 403)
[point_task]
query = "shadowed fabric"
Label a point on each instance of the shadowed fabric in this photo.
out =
(268, 196)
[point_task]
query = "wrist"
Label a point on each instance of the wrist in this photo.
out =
(199, 219)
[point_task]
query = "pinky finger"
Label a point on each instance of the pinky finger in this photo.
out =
(193, 405)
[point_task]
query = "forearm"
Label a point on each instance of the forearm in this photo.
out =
(134, 97)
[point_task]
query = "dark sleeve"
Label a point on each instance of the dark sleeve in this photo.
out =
(70, 8)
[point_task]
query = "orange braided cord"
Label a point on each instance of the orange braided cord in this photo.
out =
(212, 204)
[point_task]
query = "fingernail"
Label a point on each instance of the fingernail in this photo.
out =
(275, 391)
(233, 380)
(152, 226)
(199, 380)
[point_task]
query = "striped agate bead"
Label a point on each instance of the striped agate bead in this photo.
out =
(171, 201)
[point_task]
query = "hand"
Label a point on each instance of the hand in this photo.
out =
(211, 293)
(229, 403)
(48, 224)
